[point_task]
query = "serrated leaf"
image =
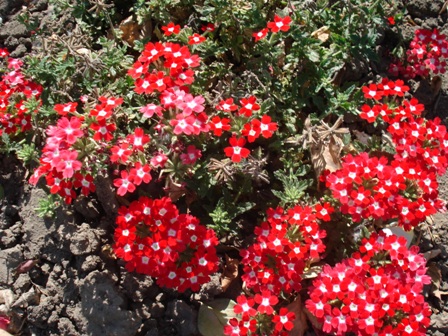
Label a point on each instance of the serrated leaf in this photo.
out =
(214, 315)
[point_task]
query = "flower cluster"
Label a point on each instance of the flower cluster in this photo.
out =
(405, 188)
(378, 291)
(165, 70)
(287, 242)
(427, 53)
(279, 24)
(257, 315)
(66, 160)
(251, 130)
(15, 92)
(154, 239)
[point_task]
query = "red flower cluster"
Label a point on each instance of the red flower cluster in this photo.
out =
(378, 291)
(258, 313)
(428, 53)
(405, 188)
(154, 239)
(371, 187)
(252, 128)
(15, 91)
(286, 243)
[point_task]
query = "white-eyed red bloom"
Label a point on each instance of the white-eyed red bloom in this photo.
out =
(196, 39)
(260, 34)
(279, 24)
(236, 151)
(171, 29)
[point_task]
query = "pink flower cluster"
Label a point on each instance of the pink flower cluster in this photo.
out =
(405, 188)
(15, 90)
(378, 291)
(166, 69)
(154, 239)
(427, 53)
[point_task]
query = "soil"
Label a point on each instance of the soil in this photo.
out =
(72, 285)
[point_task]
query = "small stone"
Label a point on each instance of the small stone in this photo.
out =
(183, 316)
(22, 284)
(84, 240)
(92, 262)
(66, 327)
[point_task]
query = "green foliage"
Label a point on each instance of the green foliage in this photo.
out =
(48, 206)
(9, 146)
(28, 154)
(293, 187)
(224, 215)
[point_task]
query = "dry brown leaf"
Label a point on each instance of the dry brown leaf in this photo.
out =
(174, 190)
(300, 325)
(436, 277)
(313, 319)
(325, 144)
(444, 7)
(229, 273)
(132, 31)
(322, 34)
(362, 137)
(326, 156)
(312, 272)
(432, 254)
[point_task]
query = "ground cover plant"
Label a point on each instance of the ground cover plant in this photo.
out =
(267, 144)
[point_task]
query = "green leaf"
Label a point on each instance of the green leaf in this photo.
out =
(214, 316)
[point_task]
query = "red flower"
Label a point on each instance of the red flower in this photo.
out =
(267, 127)
(372, 92)
(251, 130)
(138, 139)
(284, 319)
(170, 29)
(85, 182)
(248, 106)
(280, 24)
(323, 211)
(260, 35)
(63, 109)
(236, 152)
(266, 302)
(217, 125)
(196, 39)
(391, 20)
(140, 173)
(120, 153)
(103, 130)
(4, 52)
(245, 306)
(226, 105)
(209, 27)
